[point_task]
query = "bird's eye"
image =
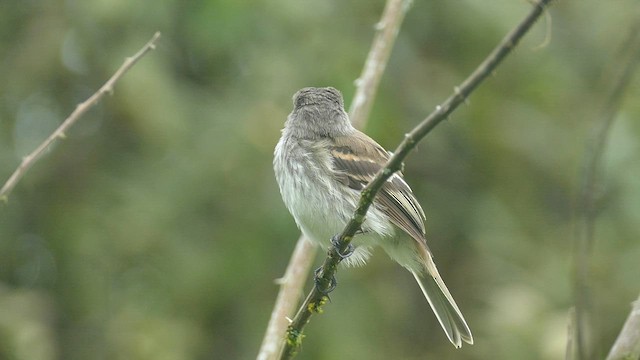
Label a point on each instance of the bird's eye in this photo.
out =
(300, 101)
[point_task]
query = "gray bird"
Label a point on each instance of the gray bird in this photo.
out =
(322, 163)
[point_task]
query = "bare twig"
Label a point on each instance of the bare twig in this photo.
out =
(367, 83)
(293, 280)
(317, 298)
(569, 351)
(288, 297)
(29, 160)
(586, 211)
(627, 345)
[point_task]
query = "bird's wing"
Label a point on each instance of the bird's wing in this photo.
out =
(356, 160)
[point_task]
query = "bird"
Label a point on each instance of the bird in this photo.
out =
(322, 163)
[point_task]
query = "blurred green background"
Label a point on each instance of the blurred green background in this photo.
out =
(156, 230)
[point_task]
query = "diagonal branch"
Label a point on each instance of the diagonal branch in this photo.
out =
(627, 345)
(367, 83)
(29, 160)
(292, 282)
(586, 211)
(317, 297)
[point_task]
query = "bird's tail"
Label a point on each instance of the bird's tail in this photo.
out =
(443, 305)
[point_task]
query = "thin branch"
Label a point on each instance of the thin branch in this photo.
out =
(569, 350)
(29, 160)
(291, 284)
(317, 298)
(367, 83)
(627, 345)
(586, 206)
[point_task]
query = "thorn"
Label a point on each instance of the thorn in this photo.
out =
(409, 138)
(458, 92)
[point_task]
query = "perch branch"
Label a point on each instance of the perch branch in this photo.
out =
(292, 282)
(317, 298)
(29, 160)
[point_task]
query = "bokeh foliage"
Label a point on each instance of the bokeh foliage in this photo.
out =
(155, 231)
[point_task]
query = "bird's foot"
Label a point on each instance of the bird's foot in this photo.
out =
(335, 241)
(321, 284)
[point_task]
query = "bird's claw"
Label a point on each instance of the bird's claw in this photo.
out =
(343, 255)
(320, 283)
